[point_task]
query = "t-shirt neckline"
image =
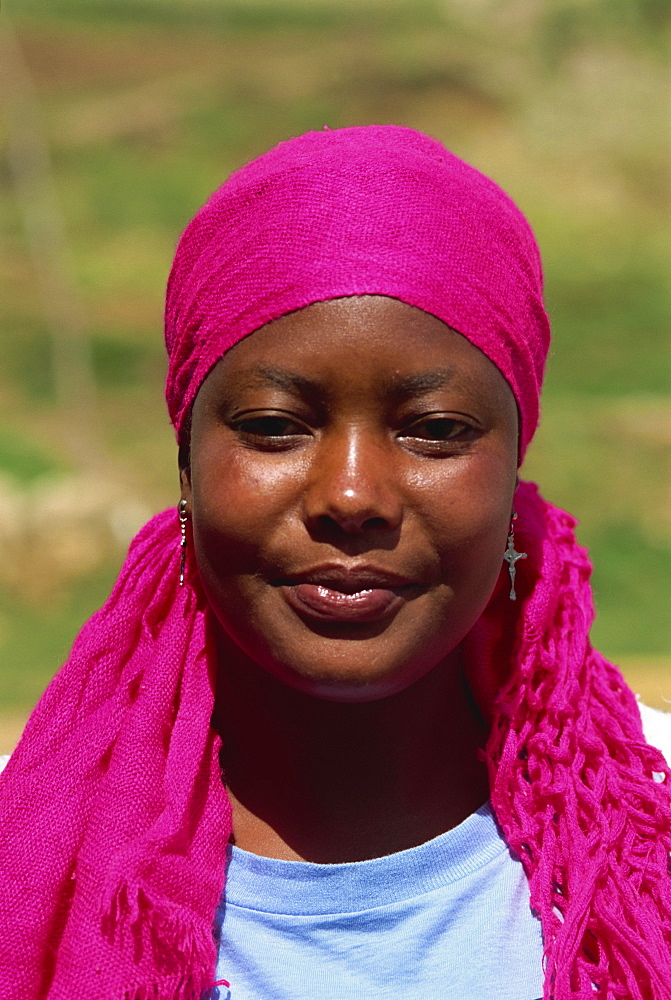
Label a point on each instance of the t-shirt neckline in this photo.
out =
(271, 885)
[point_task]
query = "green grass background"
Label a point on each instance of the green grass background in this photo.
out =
(146, 105)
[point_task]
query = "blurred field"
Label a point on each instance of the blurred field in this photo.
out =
(146, 105)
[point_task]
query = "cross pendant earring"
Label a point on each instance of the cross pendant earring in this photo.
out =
(183, 518)
(511, 556)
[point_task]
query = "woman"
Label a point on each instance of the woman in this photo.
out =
(385, 628)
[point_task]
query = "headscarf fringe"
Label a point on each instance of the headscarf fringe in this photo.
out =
(183, 987)
(130, 911)
(574, 789)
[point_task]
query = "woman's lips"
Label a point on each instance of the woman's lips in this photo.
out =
(327, 604)
(347, 597)
(333, 592)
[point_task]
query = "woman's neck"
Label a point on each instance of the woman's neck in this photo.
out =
(329, 782)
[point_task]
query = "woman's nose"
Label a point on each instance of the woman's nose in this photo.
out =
(352, 486)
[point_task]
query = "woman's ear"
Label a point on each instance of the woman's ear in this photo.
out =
(517, 483)
(185, 481)
(184, 458)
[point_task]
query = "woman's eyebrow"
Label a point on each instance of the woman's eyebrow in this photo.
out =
(408, 385)
(400, 389)
(421, 382)
(416, 385)
(264, 374)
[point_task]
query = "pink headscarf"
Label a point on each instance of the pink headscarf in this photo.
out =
(379, 210)
(113, 816)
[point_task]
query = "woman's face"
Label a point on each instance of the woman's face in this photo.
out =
(350, 487)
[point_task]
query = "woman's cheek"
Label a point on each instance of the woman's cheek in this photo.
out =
(243, 492)
(463, 503)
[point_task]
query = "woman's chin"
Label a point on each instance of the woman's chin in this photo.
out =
(354, 684)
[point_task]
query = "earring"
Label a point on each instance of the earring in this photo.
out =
(183, 518)
(511, 556)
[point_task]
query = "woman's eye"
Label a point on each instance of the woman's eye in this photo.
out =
(437, 429)
(269, 427)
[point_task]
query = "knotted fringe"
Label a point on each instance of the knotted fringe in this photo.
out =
(582, 799)
(183, 987)
(132, 914)
(121, 871)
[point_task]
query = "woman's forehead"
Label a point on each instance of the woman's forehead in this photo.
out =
(373, 344)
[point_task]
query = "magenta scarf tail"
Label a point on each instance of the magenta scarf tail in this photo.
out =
(121, 872)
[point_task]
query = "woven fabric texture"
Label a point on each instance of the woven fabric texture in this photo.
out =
(377, 210)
